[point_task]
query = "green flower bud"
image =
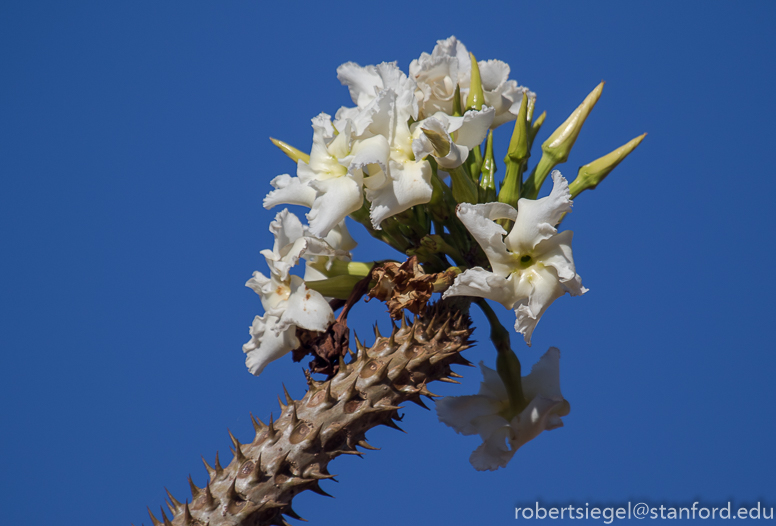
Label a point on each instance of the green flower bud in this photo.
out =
(338, 287)
(517, 155)
(562, 140)
(555, 150)
(487, 191)
(293, 153)
(476, 97)
(591, 174)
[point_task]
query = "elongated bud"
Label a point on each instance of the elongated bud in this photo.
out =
(338, 287)
(562, 140)
(555, 150)
(536, 126)
(517, 155)
(518, 144)
(464, 189)
(591, 174)
(487, 190)
(476, 98)
(293, 153)
(457, 108)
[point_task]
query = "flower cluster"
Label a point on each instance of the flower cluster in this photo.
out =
(412, 161)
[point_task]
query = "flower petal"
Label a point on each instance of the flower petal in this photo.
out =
(534, 419)
(545, 289)
(544, 378)
(306, 308)
(536, 219)
(556, 252)
(265, 345)
(361, 82)
(289, 190)
(481, 283)
(479, 221)
(494, 452)
(473, 127)
(337, 197)
(409, 184)
(460, 412)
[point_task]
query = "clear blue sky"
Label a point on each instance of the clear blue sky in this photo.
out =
(133, 160)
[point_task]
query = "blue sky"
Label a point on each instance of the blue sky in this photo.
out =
(133, 160)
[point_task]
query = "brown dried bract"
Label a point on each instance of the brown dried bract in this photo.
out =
(404, 286)
(325, 347)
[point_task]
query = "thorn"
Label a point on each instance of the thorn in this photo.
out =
(350, 392)
(382, 372)
(209, 500)
(346, 452)
(289, 400)
(377, 332)
(194, 489)
(343, 367)
(328, 398)
(218, 467)
(449, 380)
(187, 519)
(282, 405)
(456, 375)
(210, 471)
(433, 320)
(294, 515)
(271, 434)
(231, 493)
(279, 465)
(403, 320)
(316, 474)
(165, 520)
(294, 417)
(315, 433)
(417, 400)
(367, 445)
(425, 392)
(154, 519)
(316, 488)
(237, 451)
(391, 423)
(175, 503)
(258, 425)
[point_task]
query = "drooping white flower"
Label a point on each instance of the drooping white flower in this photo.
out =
(532, 266)
(288, 303)
(487, 413)
(449, 65)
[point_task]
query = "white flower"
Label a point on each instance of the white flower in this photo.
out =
(486, 414)
(396, 180)
(340, 240)
(288, 303)
(449, 65)
(470, 130)
(332, 183)
(532, 266)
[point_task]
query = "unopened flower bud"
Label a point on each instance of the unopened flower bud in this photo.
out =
(562, 140)
(293, 153)
(476, 97)
(591, 174)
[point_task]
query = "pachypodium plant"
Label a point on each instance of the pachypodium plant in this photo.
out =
(412, 162)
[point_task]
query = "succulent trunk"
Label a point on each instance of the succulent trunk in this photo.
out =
(292, 454)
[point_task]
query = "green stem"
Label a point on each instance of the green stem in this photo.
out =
(535, 181)
(507, 364)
